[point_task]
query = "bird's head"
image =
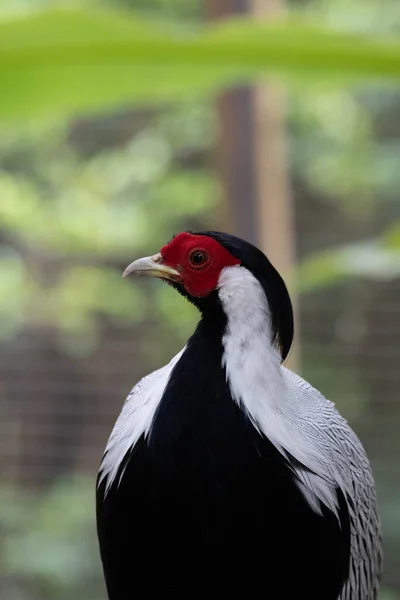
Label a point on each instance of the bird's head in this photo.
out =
(196, 265)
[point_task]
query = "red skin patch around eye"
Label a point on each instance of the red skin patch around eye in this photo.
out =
(197, 281)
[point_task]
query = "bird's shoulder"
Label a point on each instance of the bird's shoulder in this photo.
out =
(135, 418)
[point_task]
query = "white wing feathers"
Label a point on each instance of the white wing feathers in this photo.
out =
(348, 466)
(135, 419)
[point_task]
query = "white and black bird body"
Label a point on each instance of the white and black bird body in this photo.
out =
(226, 474)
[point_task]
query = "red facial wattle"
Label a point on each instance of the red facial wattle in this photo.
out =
(199, 259)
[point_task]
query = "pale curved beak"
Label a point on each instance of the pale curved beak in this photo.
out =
(152, 266)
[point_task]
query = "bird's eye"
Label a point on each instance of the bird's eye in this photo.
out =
(198, 258)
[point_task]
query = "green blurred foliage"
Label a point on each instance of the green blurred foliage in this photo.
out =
(48, 543)
(185, 10)
(81, 199)
(366, 16)
(115, 58)
(369, 260)
(64, 215)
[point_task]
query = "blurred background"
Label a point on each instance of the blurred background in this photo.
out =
(310, 172)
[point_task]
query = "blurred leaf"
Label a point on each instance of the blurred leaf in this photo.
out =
(16, 290)
(360, 15)
(83, 291)
(320, 270)
(333, 150)
(387, 594)
(391, 238)
(63, 61)
(175, 191)
(71, 223)
(49, 539)
(372, 260)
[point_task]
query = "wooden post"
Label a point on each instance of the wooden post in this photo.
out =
(275, 210)
(252, 160)
(234, 153)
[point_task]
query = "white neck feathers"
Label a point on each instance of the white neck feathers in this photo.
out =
(251, 361)
(253, 368)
